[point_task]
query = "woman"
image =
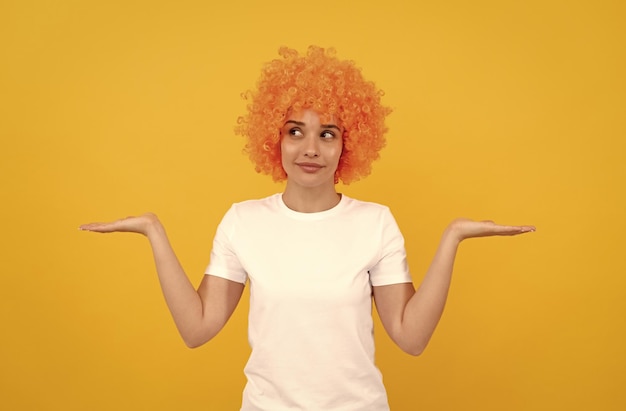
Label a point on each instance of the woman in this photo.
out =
(313, 257)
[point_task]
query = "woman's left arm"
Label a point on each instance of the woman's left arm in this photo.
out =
(410, 317)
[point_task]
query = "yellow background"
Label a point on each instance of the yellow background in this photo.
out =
(511, 111)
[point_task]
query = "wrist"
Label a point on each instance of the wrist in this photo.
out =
(452, 233)
(153, 226)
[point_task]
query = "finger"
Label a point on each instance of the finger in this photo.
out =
(514, 230)
(96, 227)
(101, 227)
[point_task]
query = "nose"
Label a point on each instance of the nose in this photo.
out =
(311, 148)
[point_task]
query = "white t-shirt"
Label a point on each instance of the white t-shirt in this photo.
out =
(310, 321)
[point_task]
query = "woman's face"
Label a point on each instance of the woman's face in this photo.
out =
(310, 150)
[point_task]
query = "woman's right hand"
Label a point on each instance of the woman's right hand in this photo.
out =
(199, 315)
(142, 224)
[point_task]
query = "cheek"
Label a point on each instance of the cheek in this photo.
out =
(282, 152)
(286, 152)
(338, 151)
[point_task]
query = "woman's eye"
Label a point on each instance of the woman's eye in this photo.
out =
(328, 134)
(295, 132)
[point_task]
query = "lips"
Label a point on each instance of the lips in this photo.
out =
(310, 167)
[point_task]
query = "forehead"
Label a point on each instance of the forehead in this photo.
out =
(311, 116)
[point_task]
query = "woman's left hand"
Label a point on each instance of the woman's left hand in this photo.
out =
(463, 228)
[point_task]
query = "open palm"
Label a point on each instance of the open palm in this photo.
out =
(465, 228)
(139, 224)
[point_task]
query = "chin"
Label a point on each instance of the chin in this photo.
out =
(312, 182)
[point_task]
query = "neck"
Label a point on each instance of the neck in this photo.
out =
(310, 200)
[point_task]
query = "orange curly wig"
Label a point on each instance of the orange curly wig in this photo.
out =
(321, 82)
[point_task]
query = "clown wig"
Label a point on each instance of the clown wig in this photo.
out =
(331, 87)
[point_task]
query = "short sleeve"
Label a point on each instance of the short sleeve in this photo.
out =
(224, 262)
(392, 267)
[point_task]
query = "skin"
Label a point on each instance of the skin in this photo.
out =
(310, 150)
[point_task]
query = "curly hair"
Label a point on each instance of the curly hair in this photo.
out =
(327, 85)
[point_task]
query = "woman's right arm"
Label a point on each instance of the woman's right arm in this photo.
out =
(199, 315)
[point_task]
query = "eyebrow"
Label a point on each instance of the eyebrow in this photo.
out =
(301, 124)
